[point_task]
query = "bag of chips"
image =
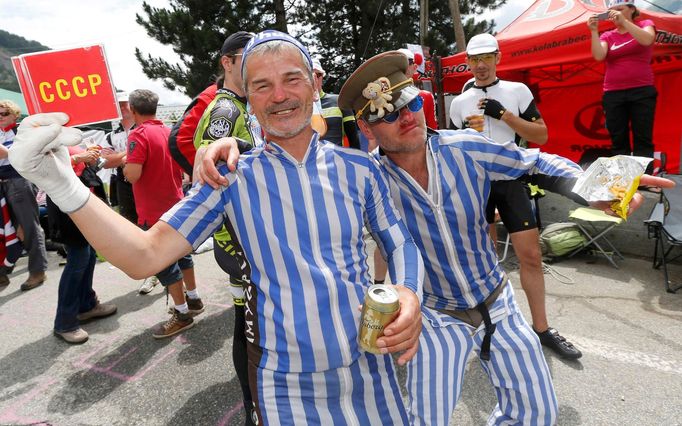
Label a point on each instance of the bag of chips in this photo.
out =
(612, 179)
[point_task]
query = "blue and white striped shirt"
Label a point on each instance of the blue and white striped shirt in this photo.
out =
(448, 224)
(301, 226)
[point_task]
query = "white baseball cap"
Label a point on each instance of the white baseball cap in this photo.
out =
(612, 3)
(317, 66)
(122, 96)
(482, 43)
(407, 52)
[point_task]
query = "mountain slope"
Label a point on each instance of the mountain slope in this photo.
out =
(13, 45)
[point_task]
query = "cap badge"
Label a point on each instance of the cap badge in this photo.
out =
(378, 92)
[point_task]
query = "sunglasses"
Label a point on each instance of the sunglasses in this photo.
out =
(414, 105)
(486, 57)
(5, 113)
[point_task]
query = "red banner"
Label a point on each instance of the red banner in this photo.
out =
(74, 81)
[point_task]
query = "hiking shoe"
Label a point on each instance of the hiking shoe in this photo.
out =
(74, 337)
(148, 285)
(100, 310)
(195, 306)
(178, 322)
(4, 280)
(551, 339)
(33, 281)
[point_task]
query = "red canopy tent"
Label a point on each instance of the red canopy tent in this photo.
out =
(548, 48)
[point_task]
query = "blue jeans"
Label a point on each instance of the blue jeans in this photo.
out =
(75, 287)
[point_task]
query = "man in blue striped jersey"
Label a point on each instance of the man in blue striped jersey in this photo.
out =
(440, 183)
(298, 206)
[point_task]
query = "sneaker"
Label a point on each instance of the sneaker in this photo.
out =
(33, 281)
(195, 306)
(148, 285)
(4, 280)
(551, 339)
(100, 310)
(178, 322)
(75, 337)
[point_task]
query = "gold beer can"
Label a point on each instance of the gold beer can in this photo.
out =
(380, 308)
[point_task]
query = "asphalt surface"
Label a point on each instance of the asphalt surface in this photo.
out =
(627, 326)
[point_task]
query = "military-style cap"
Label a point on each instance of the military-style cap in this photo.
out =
(379, 86)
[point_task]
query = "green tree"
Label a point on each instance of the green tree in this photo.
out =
(346, 32)
(196, 29)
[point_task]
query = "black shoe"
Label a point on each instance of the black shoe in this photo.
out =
(558, 343)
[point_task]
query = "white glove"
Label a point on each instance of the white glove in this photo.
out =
(40, 155)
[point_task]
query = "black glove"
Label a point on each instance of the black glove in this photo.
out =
(493, 108)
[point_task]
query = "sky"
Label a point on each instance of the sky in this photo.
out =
(75, 23)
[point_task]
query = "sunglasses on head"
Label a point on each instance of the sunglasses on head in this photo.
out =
(414, 105)
(5, 113)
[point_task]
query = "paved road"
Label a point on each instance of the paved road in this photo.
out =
(629, 329)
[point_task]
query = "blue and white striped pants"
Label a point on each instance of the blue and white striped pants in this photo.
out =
(364, 393)
(517, 368)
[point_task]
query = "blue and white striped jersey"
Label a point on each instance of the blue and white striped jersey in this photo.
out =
(448, 224)
(301, 225)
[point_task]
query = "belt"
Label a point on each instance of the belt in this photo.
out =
(480, 314)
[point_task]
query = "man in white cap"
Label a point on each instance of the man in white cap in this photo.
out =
(341, 127)
(509, 113)
(121, 189)
(427, 97)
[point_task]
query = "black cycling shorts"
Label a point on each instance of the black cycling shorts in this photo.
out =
(512, 200)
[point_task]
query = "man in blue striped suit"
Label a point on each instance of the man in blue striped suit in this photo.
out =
(298, 206)
(440, 183)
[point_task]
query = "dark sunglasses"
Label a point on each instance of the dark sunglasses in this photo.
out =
(414, 105)
(5, 113)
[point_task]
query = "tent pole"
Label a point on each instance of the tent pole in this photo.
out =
(440, 96)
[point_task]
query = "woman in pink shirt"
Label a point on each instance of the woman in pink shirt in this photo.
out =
(629, 92)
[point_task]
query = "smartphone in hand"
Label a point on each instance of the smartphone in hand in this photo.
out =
(603, 16)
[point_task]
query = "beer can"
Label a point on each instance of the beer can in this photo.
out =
(380, 308)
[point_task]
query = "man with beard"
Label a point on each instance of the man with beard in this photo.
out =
(298, 208)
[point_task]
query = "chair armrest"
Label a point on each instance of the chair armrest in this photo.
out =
(657, 216)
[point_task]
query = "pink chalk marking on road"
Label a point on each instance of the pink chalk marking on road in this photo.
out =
(10, 416)
(107, 369)
(22, 320)
(228, 416)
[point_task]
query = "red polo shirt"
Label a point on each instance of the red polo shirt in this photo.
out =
(160, 185)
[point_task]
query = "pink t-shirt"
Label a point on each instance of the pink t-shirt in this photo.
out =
(628, 63)
(160, 185)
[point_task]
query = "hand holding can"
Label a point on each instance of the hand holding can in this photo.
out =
(380, 309)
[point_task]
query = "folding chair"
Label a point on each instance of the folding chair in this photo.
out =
(507, 243)
(665, 225)
(599, 224)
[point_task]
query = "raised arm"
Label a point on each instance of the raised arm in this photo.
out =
(644, 36)
(40, 155)
(598, 47)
